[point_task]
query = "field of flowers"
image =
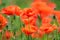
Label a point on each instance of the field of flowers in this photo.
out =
(29, 19)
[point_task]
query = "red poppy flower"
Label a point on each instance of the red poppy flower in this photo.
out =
(43, 9)
(18, 11)
(11, 10)
(38, 4)
(29, 12)
(3, 22)
(48, 28)
(29, 16)
(8, 34)
(29, 29)
(30, 20)
(38, 34)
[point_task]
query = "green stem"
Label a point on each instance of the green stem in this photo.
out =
(29, 38)
(21, 25)
(44, 37)
(9, 23)
(1, 36)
